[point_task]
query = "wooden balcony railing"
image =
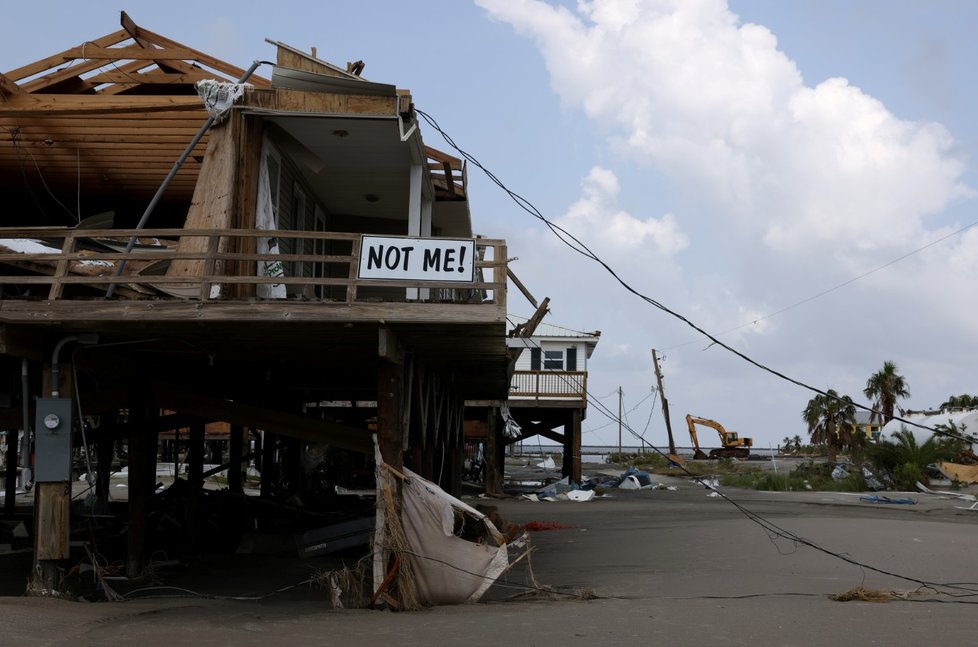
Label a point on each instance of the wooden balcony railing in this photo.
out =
(220, 264)
(549, 385)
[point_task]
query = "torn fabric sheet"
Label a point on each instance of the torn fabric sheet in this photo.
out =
(218, 97)
(265, 219)
(510, 427)
(446, 568)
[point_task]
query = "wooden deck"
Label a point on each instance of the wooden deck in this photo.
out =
(211, 302)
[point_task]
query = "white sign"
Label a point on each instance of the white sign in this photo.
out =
(417, 259)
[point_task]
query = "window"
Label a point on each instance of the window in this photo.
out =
(553, 360)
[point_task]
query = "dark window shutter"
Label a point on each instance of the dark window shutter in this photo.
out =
(534, 359)
(572, 359)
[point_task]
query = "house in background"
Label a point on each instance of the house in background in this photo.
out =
(867, 424)
(548, 389)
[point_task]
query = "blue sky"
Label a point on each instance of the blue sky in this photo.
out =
(729, 159)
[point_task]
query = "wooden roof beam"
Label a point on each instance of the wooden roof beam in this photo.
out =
(130, 53)
(9, 87)
(69, 104)
(75, 71)
(142, 35)
(58, 59)
(150, 78)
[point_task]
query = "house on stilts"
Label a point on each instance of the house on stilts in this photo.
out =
(186, 242)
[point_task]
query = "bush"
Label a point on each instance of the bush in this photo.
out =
(813, 476)
(906, 475)
(643, 461)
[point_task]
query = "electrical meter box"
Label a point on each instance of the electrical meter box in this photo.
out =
(52, 440)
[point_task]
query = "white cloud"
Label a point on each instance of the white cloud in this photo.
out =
(785, 189)
(714, 104)
(595, 218)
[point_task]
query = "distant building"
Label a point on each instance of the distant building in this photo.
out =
(867, 424)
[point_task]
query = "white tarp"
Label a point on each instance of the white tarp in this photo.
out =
(966, 422)
(447, 568)
(219, 96)
(511, 428)
(265, 219)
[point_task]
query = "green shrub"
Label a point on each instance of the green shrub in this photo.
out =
(805, 477)
(906, 475)
(644, 461)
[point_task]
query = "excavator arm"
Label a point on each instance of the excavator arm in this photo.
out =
(691, 423)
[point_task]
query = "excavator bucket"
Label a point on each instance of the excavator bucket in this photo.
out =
(700, 455)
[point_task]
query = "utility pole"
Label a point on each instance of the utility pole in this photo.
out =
(619, 422)
(665, 403)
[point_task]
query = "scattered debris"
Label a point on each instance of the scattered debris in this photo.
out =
(959, 472)
(439, 550)
(861, 594)
(956, 495)
(885, 499)
(539, 526)
(580, 495)
(335, 537)
(547, 464)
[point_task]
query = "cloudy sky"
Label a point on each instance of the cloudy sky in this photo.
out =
(731, 160)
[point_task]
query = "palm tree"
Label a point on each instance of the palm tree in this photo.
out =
(884, 387)
(797, 441)
(963, 401)
(830, 418)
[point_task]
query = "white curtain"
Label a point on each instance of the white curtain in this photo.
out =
(265, 219)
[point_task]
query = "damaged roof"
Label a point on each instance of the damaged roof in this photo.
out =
(112, 113)
(110, 116)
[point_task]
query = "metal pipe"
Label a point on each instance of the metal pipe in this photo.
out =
(169, 178)
(87, 338)
(55, 365)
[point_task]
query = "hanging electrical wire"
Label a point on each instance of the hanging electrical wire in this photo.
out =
(581, 248)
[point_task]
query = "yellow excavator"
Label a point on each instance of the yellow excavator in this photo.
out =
(733, 446)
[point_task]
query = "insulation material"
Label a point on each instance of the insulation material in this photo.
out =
(218, 97)
(444, 567)
(265, 219)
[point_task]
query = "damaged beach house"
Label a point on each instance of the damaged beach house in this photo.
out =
(254, 272)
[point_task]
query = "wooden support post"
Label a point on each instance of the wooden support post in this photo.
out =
(492, 454)
(152, 433)
(139, 484)
(235, 452)
(52, 512)
(10, 484)
(572, 446)
(195, 457)
(390, 382)
(269, 468)
(52, 509)
(390, 400)
(195, 480)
